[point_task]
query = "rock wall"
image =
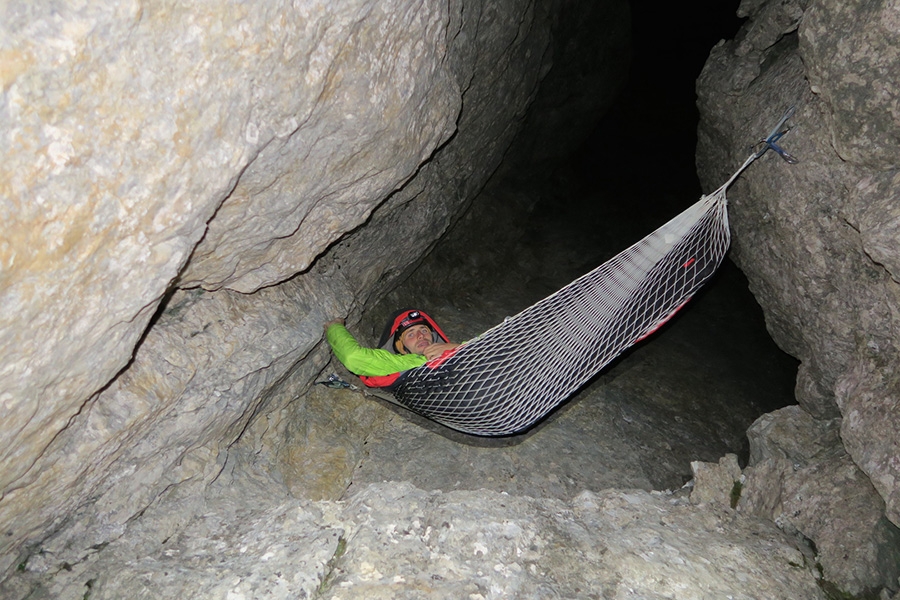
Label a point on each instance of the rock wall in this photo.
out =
(172, 178)
(817, 240)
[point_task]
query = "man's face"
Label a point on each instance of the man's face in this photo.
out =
(416, 338)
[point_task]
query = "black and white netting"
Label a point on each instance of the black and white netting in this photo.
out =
(510, 377)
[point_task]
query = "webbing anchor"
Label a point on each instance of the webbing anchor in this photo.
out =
(776, 134)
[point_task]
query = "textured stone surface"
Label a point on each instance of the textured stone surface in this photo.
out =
(717, 482)
(762, 487)
(864, 100)
(324, 439)
(374, 99)
(395, 541)
(813, 238)
(814, 488)
(126, 126)
(197, 379)
(160, 159)
(792, 433)
(176, 191)
(813, 241)
(612, 544)
(833, 503)
(235, 538)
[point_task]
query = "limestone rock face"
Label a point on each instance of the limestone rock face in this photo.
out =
(170, 173)
(808, 485)
(394, 541)
(126, 126)
(817, 240)
(608, 544)
(716, 482)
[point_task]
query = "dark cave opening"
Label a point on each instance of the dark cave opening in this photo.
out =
(648, 137)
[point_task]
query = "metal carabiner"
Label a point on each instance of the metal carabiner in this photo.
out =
(776, 134)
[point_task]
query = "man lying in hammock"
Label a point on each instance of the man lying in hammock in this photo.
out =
(410, 339)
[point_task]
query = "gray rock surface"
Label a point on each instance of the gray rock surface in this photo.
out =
(611, 544)
(393, 540)
(167, 173)
(807, 485)
(813, 237)
(792, 433)
(719, 482)
(189, 192)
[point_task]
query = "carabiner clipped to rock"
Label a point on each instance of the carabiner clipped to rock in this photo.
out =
(774, 136)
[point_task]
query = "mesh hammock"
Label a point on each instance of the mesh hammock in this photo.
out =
(510, 377)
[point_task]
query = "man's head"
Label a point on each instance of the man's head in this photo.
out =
(400, 323)
(413, 334)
